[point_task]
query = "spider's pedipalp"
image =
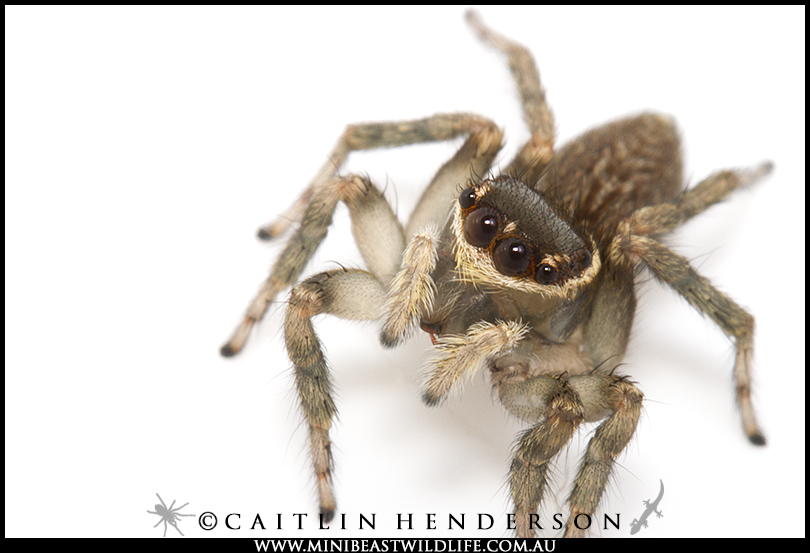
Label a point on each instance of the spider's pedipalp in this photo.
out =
(411, 292)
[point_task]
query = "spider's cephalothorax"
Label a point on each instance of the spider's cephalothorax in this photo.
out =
(507, 236)
(529, 275)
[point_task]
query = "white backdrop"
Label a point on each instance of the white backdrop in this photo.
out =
(144, 146)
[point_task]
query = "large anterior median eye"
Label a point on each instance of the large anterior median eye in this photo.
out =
(512, 256)
(481, 226)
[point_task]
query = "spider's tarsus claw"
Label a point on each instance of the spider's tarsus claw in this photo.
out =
(327, 515)
(238, 339)
(388, 341)
(273, 230)
(430, 400)
(757, 439)
(227, 350)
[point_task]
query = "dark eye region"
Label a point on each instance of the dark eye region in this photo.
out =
(481, 223)
(513, 255)
(481, 226)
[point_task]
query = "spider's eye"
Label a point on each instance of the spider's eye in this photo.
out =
(546, 274)
(582, 260)
(467, 198)
(512, 256)
(481, 226)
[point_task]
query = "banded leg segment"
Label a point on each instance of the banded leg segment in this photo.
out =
(377, 232)
(348, 294)
(661, 219)
(598, 392)
(535, 156)
(635, 239)
(674, 270)
(557, 405)
(554, 401)
(370, 136)
(472, 160)
(316, 218)
(316, 205)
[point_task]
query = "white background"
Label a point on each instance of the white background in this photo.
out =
(144, 146)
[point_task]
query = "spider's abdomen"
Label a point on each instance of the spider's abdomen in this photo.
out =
(609, 172)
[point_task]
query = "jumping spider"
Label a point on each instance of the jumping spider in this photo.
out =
(530, 274)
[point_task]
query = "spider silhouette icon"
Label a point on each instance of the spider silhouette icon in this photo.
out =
(168, 515)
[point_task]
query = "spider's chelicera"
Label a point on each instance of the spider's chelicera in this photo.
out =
(529, 275)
